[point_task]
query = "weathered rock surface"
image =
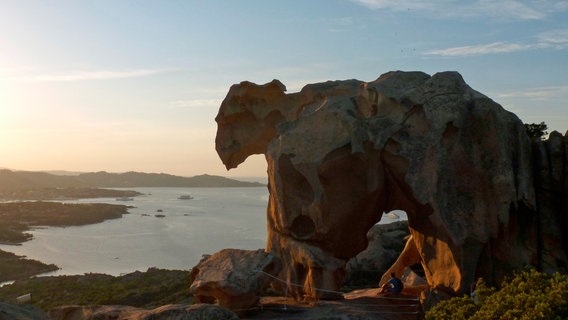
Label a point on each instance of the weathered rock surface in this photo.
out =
(20, 312)
(551, 187)
(386, 242)
(364, 304)
(341, 153)
(357, 305)
(167, 312)
(233, 278)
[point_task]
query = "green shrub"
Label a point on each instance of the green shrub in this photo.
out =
(528, 295)
(457, 308)
(148, 289)
(536, 131)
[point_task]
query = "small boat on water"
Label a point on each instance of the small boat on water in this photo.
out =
(124, 199)
(185, 197)
(393, 215)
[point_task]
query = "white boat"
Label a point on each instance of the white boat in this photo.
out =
(185, 197)
(124, 199)
(393, 215)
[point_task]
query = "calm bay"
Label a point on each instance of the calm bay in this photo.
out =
(160, 231)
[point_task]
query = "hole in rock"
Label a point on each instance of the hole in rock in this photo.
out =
(303, 227)
(418, 269)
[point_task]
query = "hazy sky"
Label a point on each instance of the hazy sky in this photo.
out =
(120, 85)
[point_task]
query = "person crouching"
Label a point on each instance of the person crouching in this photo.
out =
(394, 285)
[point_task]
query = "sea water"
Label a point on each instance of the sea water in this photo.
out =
(160, 231)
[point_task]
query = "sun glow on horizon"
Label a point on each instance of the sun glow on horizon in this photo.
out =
(120, 85)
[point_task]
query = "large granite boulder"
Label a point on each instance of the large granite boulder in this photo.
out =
(233, 278)
(341, 153)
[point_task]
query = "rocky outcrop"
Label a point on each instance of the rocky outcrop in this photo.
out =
(21, 312)
(233, 278)
(341, 153)
(385, 243)
(551, 187)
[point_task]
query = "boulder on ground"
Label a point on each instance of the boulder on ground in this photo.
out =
(386, 242)
(233, 278)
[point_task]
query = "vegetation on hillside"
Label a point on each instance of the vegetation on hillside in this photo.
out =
(528, 295)
(149, 289)
(14, 267)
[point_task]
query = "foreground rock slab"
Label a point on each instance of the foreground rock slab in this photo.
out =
(20, 312)
(359, 305)
(364, 304)
(167, 312)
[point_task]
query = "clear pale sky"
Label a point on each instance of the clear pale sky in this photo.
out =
(121, 85)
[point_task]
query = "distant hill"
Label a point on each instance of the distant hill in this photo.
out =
(18, 180)
(63, 172)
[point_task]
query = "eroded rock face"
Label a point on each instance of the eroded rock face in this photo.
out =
(341, 153)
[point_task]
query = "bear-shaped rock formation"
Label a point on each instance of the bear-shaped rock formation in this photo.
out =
(341, 153)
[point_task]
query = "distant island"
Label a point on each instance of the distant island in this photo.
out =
(33, 185)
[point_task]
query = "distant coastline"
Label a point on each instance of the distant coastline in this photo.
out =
(17, 218)
(11, 181)
(21, 206)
